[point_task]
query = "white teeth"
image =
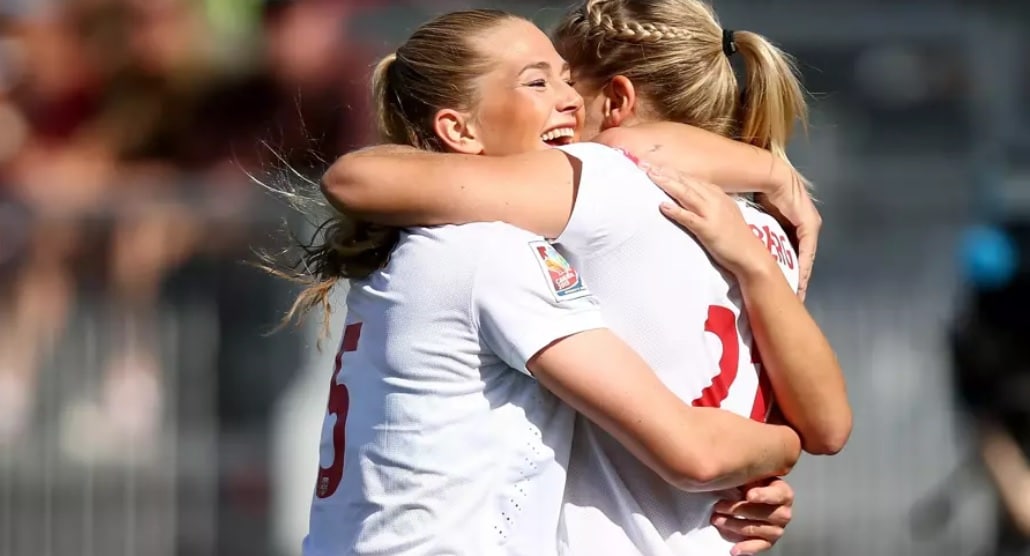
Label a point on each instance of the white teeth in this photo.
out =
(556, 133)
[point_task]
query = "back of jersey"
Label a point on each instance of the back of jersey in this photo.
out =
(662, 294)
(436, 439)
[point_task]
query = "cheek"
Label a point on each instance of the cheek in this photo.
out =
(511, 124)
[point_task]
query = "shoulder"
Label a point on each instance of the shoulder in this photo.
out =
(473, 244)
(477, 235)
(601, 155)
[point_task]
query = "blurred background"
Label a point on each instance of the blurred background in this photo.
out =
(144, 410)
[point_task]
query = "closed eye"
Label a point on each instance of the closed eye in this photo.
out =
(537, 83)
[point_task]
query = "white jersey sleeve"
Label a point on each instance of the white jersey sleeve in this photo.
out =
(612, 189)
(525, 296)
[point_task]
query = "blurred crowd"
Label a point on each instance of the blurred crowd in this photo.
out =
(131, 136)
(128, 129)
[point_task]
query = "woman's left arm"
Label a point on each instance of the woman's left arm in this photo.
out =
(735, 167)
(806, 378)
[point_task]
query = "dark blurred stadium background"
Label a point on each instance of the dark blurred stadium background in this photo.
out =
(143, 411)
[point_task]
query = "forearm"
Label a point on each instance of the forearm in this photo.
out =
(804, 372)
(734, 166)
(403, 186)
(738, 451)
(380, 184)
(1009, 470)
(697, 449)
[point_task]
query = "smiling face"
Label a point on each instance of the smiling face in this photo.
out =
(525, 101)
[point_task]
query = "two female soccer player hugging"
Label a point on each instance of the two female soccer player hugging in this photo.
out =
(542, 353)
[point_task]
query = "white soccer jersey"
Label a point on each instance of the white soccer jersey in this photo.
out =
(661, 293)
(436, 439)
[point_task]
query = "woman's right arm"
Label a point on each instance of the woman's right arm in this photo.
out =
(402, 186)
(692, 448)
(532, 310)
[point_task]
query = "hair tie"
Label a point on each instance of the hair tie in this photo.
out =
(729, 46)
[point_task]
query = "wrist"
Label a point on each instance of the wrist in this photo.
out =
(782, 176)
(757, 268)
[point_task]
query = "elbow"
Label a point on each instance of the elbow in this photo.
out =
(342, 185)
(683, 465)
(830, 437)
(694, 474)
(707, 471)
(713, 465)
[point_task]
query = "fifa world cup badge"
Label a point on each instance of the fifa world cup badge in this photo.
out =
(563, 280)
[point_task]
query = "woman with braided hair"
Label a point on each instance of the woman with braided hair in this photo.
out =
(602, 211)
(676, 56)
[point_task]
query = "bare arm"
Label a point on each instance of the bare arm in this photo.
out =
(1009, 470)
(734, 166)
(535, 191)
(403, 186)
(695, 449)
(802, 367)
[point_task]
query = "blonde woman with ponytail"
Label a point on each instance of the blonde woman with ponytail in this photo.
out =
(468, 349)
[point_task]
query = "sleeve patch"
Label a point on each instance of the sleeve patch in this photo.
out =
(563, 280)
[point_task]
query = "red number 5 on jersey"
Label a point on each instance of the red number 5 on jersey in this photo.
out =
(339, 402)
(723, 323)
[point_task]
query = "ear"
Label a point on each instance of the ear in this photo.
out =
(621, 102)
(456, 131)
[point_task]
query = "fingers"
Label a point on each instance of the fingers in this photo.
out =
(686, 218)
(748, 528)
(744, 546)
(768, 513)
(681, 190)
(807, 245)
(776, 492)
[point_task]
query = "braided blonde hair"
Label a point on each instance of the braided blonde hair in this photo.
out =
(672, 51)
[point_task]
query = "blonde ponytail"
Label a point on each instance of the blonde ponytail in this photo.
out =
(391, 124)
(773, 99)
(673, 51)
(339, 249)
(434, 69)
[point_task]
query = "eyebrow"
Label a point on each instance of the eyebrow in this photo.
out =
(543, 66)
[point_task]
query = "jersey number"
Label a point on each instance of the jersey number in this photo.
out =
(723, 323)
(339, 402)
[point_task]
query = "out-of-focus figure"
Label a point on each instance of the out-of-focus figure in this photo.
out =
(990, 345)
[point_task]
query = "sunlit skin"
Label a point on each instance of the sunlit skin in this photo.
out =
(528, 93)
(526, 97)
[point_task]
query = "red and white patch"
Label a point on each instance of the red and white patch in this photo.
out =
(564, 281)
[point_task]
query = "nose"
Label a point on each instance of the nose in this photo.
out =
(570, 101)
